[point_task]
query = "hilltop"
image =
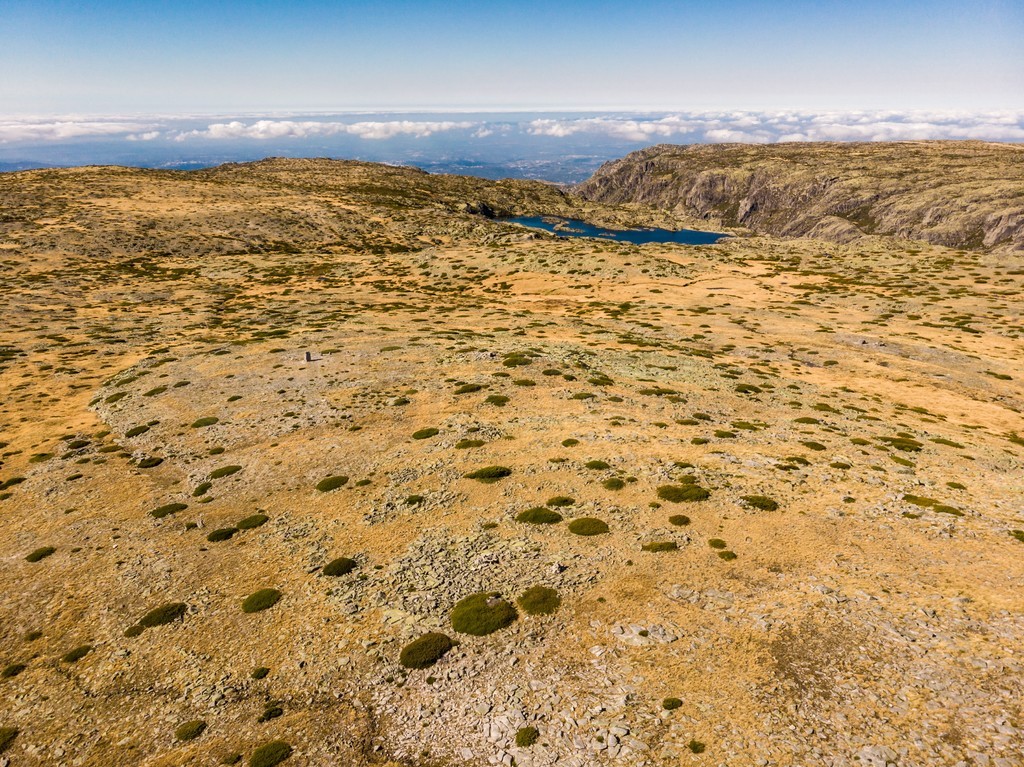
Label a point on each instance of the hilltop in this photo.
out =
(751, 503)
(964, 194)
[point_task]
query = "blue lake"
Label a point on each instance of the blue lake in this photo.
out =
(570, 227)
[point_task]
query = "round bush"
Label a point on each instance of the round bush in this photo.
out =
(207, 421)
(260, 672)
(688, 493)
(539, 600)
(150, 462)
(190, 730)
(526, 736)
(170, 508)
(538, 515)
(340, 566)
(597, 465)
(613, 484)
(13, 670)
(490, 474)
(656, 546)
(760, 502)
(331, 483)
(167, 613)
(7, 736)
(481, 614)
(270, 754)
(679, 520)
(560, 501)
(588, 526)
(670, 704)
(425, 651)
(221, 534)
(40, 553)
(73, 656)
(253, 521)
(716, 543)
(425, 433)
(260, 600)
(224, 471)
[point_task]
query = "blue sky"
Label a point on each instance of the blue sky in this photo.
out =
(124, 56)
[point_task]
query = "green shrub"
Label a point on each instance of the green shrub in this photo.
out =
(679, 520)
(202, 489)
(253, 521)
(728, 556)
(716, 543)
(539, 600)
(903, 443)
(526, 736)
(500, 400)
(133, 631)
(41, 553)
(270, 754)
(260, 672)
(12, 670)
(588, 526)
(207, 421)
(135, 431)
(190, 730)
(745, 388)
(331, 483)
(168, 613)
(687, 493)
(481, 614)
(169, 508)
(426, 433)
(489, 474)
(840, 465)
(232, 757)
(671, 704)
(614, 483)
(582, 395)
(224, 471)
(524, 382)
(596, 465)
(260, 600)
(73, 656)
(468, 388)
(570, 442)
(463, 444)
(221, 534)
(696, 746)
(814, 446)
(560, 501)
(414, 500)
(538, 515)
(656, 546)
(7, 736)
(425, 651)
(339, 566)
(760, 502)
(150, 463)
(1018, 534)
(270, 712)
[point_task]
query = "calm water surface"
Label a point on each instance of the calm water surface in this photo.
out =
(570, 227)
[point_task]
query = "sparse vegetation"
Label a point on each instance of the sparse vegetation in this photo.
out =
(688, 493)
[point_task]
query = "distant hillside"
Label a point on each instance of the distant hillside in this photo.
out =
(962, 194)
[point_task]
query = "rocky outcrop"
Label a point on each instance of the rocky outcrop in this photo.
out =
(963, 194)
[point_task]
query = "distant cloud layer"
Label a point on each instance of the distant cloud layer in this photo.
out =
(679, 127)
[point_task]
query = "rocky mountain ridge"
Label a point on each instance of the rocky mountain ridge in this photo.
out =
(963, 194)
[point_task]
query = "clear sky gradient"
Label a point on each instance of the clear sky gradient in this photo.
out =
(141, 56)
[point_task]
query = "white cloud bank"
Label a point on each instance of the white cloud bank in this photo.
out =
(770, 127)
(277, 129)
(678, 127)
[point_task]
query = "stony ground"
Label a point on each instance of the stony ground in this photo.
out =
(153, 353)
